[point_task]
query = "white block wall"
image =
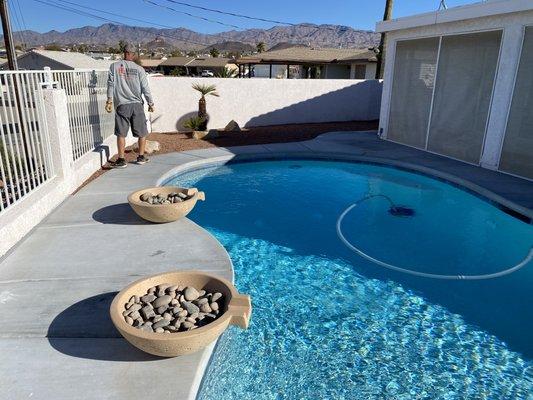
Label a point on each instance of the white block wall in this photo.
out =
(260, 102)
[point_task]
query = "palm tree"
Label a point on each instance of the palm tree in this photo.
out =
(260, 47)
(227, 72)
(381, 52)
(204, 90)
(214, 52)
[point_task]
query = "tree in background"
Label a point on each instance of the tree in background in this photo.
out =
(214, 52)
(53, 47)
(121, 46)
(234, 55)
(175, 53)
(192, 53)
(381, 54)
(227, 72)
(81, 48)
(177, 71)
(260, 47)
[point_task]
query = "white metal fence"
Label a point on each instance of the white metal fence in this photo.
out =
(25, 154)
(89, 124)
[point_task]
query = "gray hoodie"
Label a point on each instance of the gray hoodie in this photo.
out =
(126, 83)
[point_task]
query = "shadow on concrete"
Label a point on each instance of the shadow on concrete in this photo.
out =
(85, 330)
(118, 214)
(332, 106)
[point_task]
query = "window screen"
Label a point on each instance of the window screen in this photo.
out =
(465, 78)
(517, 152)
(360, 71)
(412, 88)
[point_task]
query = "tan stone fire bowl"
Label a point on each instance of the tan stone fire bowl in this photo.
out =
(161, 213)
(236, 310)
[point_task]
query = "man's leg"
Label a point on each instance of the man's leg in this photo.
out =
(139, 130)
(122, 125)
(142, 145)
(121, 146)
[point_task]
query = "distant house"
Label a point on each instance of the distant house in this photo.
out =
(310, 63)
(38, 59)
(193, 66)
(151, 65)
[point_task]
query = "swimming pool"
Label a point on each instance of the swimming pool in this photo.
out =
(328, 324)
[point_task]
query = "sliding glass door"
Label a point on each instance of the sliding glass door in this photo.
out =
(412, 88)
(466, 72)
(441, 93)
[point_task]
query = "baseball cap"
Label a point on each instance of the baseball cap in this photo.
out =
(129, 48)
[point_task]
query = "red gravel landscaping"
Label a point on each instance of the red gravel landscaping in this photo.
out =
(175, 141)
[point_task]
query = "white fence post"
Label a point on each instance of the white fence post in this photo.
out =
(56, 114)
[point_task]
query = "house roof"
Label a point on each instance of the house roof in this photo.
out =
(205, 62)
(147, 62)
(177, 61)
(302, 55)
(71, 59)
(458, 13)
(212, 62)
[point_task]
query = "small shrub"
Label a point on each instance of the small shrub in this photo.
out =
(195, 123)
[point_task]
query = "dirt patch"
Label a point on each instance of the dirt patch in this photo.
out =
(173, 141)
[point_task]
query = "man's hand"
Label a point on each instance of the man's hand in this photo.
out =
(109, 106)
(150, 108)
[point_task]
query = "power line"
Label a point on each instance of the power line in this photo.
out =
(231, 14)
(116, 15)
(149, 22)
(87, 14)
(18, 24)
(192, 15)
(214, 10)
(248, 16)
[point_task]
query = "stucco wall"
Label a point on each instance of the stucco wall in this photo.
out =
(512, 25)
(260, 102)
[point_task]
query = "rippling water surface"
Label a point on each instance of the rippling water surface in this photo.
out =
(327, 324)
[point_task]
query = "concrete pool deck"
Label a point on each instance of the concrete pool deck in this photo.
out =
(57, 341)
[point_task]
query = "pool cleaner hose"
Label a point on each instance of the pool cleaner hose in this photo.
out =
(396, 210)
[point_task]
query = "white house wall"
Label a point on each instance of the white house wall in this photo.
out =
(513, 30)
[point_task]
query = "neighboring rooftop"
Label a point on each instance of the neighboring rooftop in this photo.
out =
(35, 59)
(150, 63)
(310, 55)
(197, 62)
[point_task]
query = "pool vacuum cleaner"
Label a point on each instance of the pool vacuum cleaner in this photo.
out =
(407, 212)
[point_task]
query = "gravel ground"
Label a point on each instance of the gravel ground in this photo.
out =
(175, 141)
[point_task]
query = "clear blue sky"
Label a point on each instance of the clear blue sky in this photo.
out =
(359, 14)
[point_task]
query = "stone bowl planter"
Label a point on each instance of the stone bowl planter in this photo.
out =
(161, 213)
(236, 310)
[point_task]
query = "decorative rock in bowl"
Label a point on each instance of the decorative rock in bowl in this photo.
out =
(144, 298)
(165, 203)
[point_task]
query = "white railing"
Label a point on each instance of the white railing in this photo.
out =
(89, 124)
(25, 154)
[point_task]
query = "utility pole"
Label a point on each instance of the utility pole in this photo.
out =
(381, 55)
(8, 36)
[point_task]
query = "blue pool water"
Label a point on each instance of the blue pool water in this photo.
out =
(327, 324)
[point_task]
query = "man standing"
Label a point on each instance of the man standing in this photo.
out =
(126, 84)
